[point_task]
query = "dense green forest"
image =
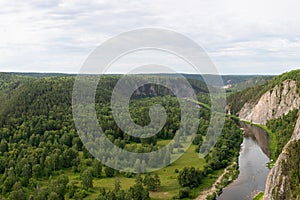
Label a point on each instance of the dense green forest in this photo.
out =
(42, 157)
(282, 130)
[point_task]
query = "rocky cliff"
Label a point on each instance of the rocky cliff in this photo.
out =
(282, 183)
(272, 104)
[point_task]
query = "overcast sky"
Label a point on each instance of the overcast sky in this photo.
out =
(241, 37)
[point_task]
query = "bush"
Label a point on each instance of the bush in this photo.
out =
(184, 193)
(190, 177)
(109, 172)
(211, 197)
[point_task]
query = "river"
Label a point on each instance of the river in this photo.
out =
(254, 156)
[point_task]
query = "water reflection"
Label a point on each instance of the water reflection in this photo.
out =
(253, 158)
(258, 135)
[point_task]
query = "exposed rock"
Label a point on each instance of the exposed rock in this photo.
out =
(273, 104)
(278, 181)
(296, 133)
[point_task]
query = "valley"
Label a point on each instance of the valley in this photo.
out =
(42, 157)
(149, 100)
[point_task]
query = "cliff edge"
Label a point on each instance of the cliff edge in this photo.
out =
(283, 181)
(272, 104)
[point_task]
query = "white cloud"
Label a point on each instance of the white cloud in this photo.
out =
(240, 36)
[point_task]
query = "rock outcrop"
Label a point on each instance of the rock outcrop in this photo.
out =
(273, 104)
(278, 184)
(296, 133)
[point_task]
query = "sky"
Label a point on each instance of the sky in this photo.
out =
(241, 37)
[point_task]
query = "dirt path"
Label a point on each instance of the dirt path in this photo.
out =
(213, 189)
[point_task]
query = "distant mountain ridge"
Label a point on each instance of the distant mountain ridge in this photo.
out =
(20, 94)
(227, 79)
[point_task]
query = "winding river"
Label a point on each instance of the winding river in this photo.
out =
(253, 158)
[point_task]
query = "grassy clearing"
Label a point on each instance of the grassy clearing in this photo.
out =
(168, 176)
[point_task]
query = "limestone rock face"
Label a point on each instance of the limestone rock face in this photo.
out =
(296, 133)
(278, 180)
(273, 104)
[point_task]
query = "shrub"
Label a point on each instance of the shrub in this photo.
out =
(184, 193)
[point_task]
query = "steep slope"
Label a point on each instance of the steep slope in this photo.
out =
(251, 96)
(283, 181)
(273, 104)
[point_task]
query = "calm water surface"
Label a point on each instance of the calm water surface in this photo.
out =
(253, 158)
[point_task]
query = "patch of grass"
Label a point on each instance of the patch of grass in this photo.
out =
(169, 184)
(168, 176)
(162, 143)
(202, 104)
(259, 196)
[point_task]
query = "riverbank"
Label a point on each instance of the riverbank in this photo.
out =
(229, 174)
(272, 143)
(252, 165)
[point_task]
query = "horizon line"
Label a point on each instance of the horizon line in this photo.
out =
(121, 73)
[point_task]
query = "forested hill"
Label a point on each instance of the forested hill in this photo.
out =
(237, 81)
(41, 94)
(251, 95)
(9, 81)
